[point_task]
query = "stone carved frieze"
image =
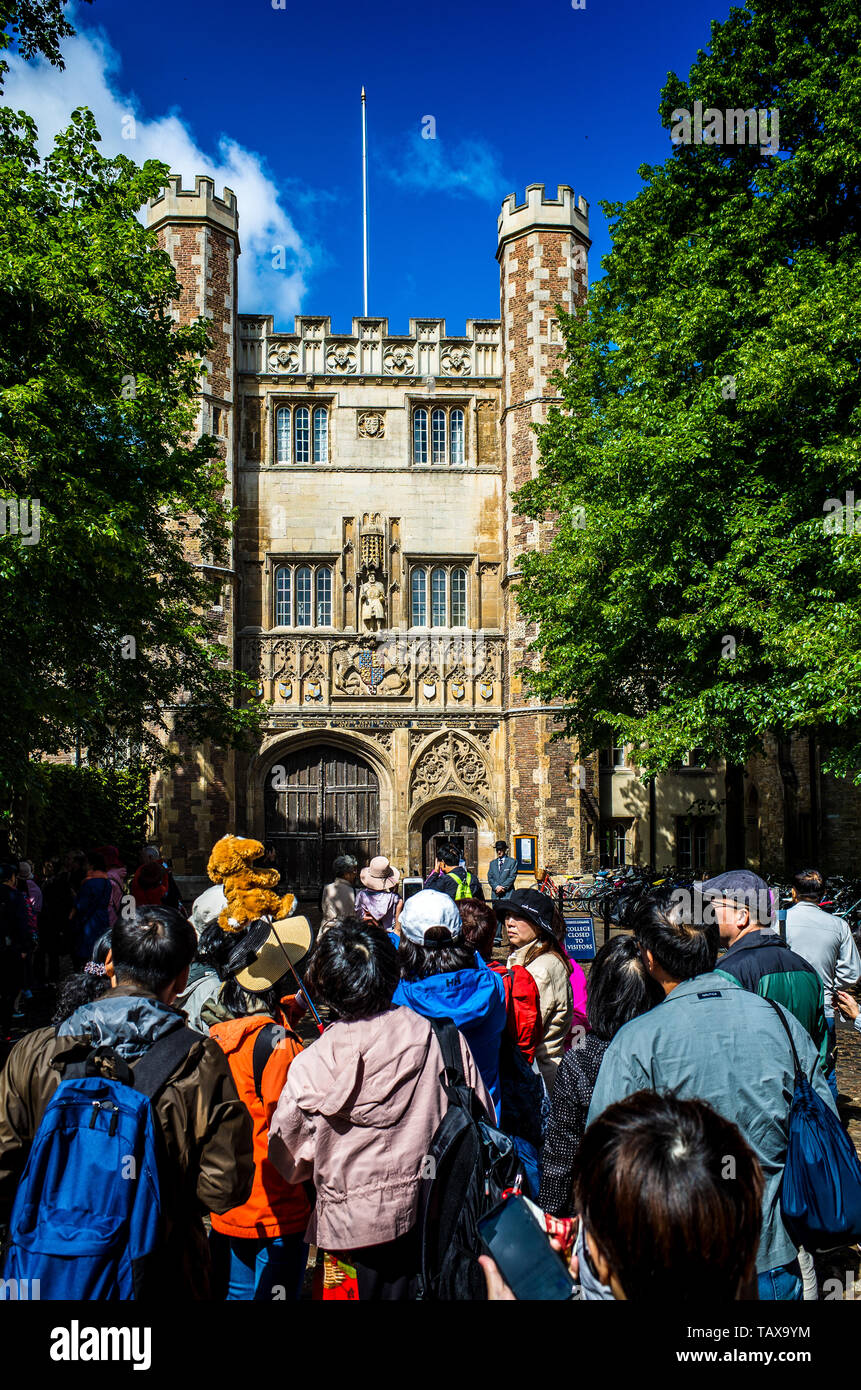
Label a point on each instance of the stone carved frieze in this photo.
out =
(378, 666)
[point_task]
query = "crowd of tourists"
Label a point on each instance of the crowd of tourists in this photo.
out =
(420, 1091)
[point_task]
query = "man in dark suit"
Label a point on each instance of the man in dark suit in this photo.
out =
(501, 875)
(502, 871)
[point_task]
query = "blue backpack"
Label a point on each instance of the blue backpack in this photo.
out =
(88, 1208)
(820, 1195)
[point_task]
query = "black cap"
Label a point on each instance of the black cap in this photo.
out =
(536, 907)
(501, 844)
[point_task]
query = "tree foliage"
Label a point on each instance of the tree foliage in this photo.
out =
(105, 616)
(82, 808)
(37, 26)
(710, 409)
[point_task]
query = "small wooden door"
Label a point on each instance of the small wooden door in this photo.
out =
(463, 835)
(327, 803)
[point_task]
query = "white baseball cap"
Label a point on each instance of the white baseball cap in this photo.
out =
(429, 909)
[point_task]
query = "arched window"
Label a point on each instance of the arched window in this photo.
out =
(324, 596)
(303, 434)
(420, 599)
(438, 604)
(304, 611)
(420, 436)
(456, 436)
(458, 598)
(321, 435)
(282, 435)
(283, 594)
(438, 454)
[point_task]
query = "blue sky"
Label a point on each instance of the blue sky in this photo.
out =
(268, 101)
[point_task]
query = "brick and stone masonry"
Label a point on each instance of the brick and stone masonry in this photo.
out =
(542, 253)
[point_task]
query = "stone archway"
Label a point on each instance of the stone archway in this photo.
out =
(452, 827)
(320, 800)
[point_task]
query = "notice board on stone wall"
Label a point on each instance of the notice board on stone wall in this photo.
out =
(580, 936)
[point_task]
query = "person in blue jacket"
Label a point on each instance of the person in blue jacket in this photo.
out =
(443, 977)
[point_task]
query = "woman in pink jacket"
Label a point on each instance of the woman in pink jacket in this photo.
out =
(359, 1110)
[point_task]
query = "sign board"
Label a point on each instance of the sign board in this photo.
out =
(580, 936)
(524, 852)
(411, 886)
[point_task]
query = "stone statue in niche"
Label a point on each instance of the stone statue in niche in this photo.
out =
(372, 600)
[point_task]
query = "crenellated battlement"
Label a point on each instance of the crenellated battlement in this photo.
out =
(539, 212)
(312, 349)
(178, 204)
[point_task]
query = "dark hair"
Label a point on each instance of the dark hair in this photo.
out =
(83, 987)
(353, 968)
(479, 925)
(449, 855)
(101, 948)
(153, 948)
(77, 990)
(8, 869)
(620, 987)
(240, 1001)
(97, 861)
(215, 946)
(442, 955)
(671, 1194)
(809, 883)
(682, 949)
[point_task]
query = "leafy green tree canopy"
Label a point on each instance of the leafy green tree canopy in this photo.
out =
(702, 583)
(37, 26)
(104, 612)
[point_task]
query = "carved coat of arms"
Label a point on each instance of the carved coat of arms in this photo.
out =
(370, 668)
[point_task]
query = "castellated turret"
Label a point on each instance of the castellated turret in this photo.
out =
(543, 245)
(200, 232)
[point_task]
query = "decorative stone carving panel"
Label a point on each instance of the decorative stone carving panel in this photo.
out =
(284, 359)
(371, 424)
(451, 764)
(341, 359)
(456, 361)
(398, 360)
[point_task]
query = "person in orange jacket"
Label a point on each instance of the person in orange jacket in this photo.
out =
(258, 1248)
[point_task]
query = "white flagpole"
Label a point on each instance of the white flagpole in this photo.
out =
(365, 198)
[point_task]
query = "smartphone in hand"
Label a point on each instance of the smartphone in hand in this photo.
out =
(521, 1249)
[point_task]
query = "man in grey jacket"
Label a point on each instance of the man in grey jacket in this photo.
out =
(711, 1040)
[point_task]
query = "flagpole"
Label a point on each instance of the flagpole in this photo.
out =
(365, 199)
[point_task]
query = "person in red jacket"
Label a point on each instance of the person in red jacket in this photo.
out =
(521, 992)
(258, 1249)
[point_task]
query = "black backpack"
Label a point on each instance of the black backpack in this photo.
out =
(469, 1164)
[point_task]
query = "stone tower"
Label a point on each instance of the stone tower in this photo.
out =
(200, 233)
(542, 253)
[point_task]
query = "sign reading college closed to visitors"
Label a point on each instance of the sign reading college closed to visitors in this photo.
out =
(580, 937)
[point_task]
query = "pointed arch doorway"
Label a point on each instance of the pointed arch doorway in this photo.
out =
(327, 803)
(450, 827)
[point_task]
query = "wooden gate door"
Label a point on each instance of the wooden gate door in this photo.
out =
(464, 837)
(327, 803)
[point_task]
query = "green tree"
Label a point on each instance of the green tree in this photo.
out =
(37, 26)
(710, 410)
(106, 637)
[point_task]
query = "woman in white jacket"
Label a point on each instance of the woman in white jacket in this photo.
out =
(529, 922)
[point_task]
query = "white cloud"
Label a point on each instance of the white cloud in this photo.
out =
(472, 167)
(90, 79)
